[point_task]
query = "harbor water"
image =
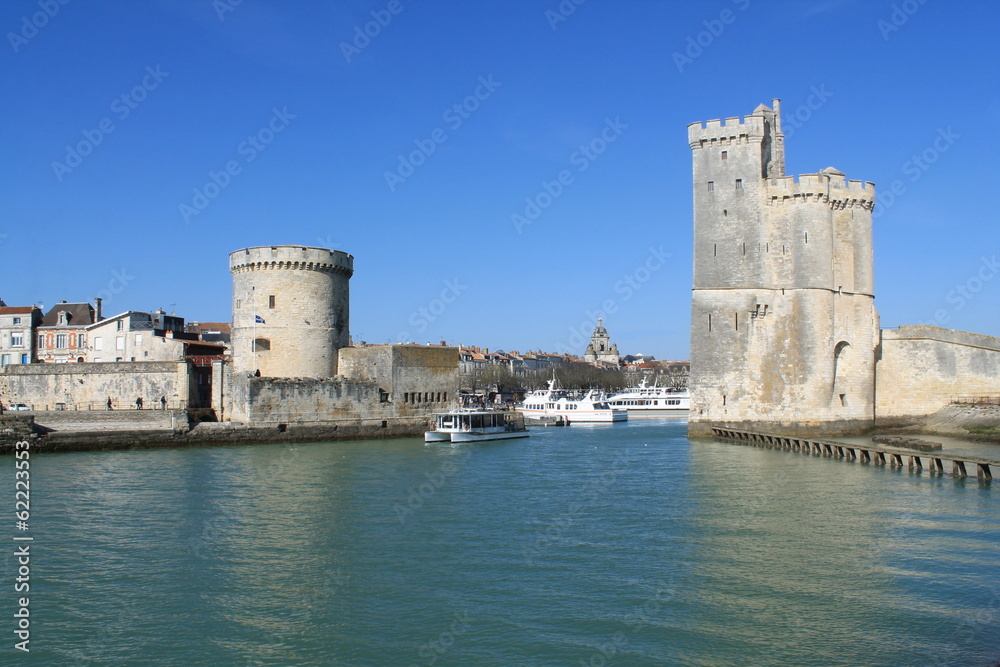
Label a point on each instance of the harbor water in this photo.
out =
(614, 544)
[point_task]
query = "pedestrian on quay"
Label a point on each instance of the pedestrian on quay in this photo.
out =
(109, 408)
(138, 403)
(163, 402)
(1, 408)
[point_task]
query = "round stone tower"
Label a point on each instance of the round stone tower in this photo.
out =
(290, 310)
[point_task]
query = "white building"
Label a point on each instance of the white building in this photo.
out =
(17, 334)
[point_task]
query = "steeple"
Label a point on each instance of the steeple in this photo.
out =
(601, 348)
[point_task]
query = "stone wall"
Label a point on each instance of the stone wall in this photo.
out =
(381, 382)
(922, 368)
(85, 386)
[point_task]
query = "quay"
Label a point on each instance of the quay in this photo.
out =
(935, 464)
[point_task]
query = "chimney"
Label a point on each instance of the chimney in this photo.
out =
(98, 316)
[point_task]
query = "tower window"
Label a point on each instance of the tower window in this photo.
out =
(725, 213)
(715, 250)
(725, 155)
(739, 183)
(711, 186)
(736, 320)
(270, 301)
(744, 249)
(710, 321)
(807, 237)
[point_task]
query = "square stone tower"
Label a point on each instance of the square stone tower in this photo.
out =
(783, 323)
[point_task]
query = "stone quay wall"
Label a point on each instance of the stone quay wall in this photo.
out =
(923, 368)
(87, 386)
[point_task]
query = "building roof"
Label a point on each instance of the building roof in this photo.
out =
(203, 327)
(80, 314)
(15, 310)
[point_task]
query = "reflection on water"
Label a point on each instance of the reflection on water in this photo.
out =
(621, 544)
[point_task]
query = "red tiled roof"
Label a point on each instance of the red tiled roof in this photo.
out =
(16, 310)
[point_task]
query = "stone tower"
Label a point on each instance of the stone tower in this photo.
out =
(601, 348)
(783, 322)
(290, 310)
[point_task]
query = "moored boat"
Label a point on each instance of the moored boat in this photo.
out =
(473, 425)
(550, 402)
(645, 401)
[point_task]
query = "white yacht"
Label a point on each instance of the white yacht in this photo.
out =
(593, 407)
(645, 401)
(466, 425)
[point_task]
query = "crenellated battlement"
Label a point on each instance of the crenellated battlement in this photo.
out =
(734, 130)
(832, 188)
(300, 258)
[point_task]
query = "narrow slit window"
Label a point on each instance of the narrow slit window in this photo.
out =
(711, 186)
(807, 237)
(715, 250)
(725, 213)
(710, 321)
(270, 301)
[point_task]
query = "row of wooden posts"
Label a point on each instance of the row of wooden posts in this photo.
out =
(960, 466)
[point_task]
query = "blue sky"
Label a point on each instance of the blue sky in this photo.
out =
(199, 127)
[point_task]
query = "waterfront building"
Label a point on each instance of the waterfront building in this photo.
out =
(132, 336)
(62, 334)
(17, 333)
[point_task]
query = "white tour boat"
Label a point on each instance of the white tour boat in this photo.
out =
(644, 401)
(593, 407)
(472, 425)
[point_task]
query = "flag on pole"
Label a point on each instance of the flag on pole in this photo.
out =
(258, 319)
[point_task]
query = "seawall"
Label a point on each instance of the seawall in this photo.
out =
(53, 432)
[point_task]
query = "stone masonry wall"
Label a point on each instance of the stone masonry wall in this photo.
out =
(295, 300)
(89, 385)
(922, 368)
(384, 382)
(783, 323)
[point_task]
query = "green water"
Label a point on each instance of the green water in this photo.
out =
(619, 544)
